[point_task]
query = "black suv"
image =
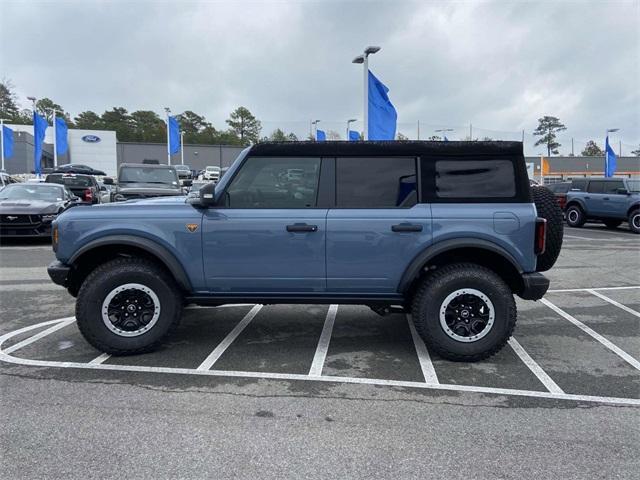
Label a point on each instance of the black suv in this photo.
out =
(144, 181)
(85, 187)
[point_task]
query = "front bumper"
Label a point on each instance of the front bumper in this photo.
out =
(535, 285)
(59, 273)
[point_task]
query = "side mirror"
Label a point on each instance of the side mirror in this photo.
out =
(207, 195)
(103, 188)
(622, 191)
(108, 181)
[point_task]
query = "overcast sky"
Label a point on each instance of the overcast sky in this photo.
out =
(498, 65)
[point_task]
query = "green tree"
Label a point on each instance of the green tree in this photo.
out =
(45, 107)
(434, 138)
(118, 119)
(277, 136)
(401, 137)
(636, 152)
(195, 127)
(547, 128)
(244, 125)
(9, 109)
(88, 120)
(591, 149)
(148, 127)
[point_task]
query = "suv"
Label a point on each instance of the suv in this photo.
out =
(211, 174)
(85, 187)
(184, 172)
(144, 181)
(447, 231)
(609, 200)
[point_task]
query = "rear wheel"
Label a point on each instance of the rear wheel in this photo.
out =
(127, 306)
(464, 312)
(575, 216)
(634, 221)
(612, 223)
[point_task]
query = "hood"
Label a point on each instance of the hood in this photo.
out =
(28, 206)
(166, 200)
(149, 189)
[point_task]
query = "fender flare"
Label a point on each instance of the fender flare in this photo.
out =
(416, 265)
(633, 207)
(162, 253)
(576, 201)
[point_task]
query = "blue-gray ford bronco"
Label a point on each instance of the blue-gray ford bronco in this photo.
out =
(446, 231)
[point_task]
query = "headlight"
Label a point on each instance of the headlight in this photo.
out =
(49, 218)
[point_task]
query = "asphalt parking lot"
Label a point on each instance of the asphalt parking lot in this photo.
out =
(322, 391)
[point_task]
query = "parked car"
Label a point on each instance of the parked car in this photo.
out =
(608, 200)
(77, 168)
(6, 179)
(449, 231)
(27, 209)
(85, 187)
(184, 172)
(145, 181)
(560, 190)
(211, 174)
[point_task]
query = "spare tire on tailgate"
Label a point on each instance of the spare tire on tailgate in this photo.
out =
(548, 208)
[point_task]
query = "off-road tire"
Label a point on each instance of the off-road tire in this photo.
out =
(612, 224)
(109, 276)
(440, 283)
(577, 220)
(548, 208)
(634, 221)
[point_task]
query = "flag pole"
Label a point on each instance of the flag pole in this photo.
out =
(2, 141)
(181, 147)
(55, 145)
(365, 64)
(168, 111)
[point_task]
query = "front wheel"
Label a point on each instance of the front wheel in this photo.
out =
(634, 221)
(127, 306)
(464, 312)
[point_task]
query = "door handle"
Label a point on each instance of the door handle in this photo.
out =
(606, 198)
(587, 198)
(302, 227)
(406, 227)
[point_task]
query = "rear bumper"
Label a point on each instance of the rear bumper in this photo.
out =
(535, 285)
(59, 273)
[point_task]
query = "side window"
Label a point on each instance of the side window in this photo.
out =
(376, 182)
(612, 187)
(595, 187)
(579, 185)
(475, 179)
(275, 182)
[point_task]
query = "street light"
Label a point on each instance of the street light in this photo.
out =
(364, 60)
(349, 122)
(443, 130)
(314, 129)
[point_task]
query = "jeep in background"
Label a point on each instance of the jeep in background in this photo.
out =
(608, 200)
(145, 181)
(446, 231)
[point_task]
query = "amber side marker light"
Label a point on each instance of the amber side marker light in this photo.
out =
(54, 237)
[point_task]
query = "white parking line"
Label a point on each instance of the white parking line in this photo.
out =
(100, 359)
(28, 341)
(537, 370)
(323, 344)
(567, 290)
(589, 331)
(24, 273)
(613, 302)
(428, 371)
(228, 340)
(4, 356)
(31, 287)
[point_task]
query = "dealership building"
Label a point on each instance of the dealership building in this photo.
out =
(101, 150)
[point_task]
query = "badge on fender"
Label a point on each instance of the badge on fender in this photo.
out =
(192, 227)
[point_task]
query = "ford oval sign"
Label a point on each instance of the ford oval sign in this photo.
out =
(91, 138)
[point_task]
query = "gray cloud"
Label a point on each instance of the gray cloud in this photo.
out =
(499, 65)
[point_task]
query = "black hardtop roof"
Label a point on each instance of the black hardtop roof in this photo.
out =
(147, 165)
(390, 148)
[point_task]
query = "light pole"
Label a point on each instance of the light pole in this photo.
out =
(33, 103)
(168, 111)
(55, 146)
(349, 122)
(314, 129)
(364, 60)
(2, 120)
(443, 130)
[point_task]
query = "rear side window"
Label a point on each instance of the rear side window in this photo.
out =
(579, 185)
(595, 187)
(376, 182)
(612, 187)
(475, 179)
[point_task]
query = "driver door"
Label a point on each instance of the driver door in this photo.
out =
(268, 236)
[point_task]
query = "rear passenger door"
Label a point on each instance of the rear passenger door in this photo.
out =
(614, 204)
(377, 225)
(594, 198)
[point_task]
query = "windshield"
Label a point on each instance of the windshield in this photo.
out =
(70, 181)
(633, 186)
(47, 193)
(213, 169)
(159, 176)
(182, 167)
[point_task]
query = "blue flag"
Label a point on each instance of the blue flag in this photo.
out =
(446, 139)
(353, 136)
(7, 141)
(61, 136)
(321, 136)
(39, 128)
(174, 135)
(610, 159)
(382, 114)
